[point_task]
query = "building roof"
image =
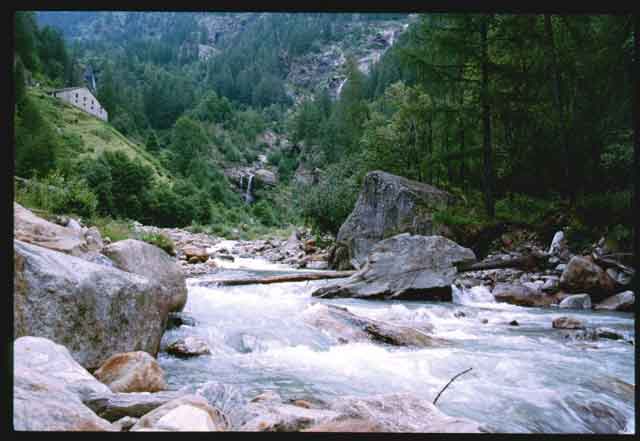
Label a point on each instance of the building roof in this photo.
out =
(69, 88)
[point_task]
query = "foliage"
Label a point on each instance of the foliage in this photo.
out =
(161, 241)
(59, 195)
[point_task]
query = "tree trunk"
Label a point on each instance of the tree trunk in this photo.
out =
(486, 120)
(281, 279)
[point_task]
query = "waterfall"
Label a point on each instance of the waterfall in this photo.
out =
(247, 196)
(340, 87)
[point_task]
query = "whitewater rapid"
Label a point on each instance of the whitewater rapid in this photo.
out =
(525, 378)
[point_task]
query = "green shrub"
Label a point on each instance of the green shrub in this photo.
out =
(161, 241)
(73, 141)
(114, 229)
(59, 195)
(102, 133)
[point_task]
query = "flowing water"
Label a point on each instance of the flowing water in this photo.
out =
(525, 378)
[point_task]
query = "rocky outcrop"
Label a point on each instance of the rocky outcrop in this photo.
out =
(405, 267)
(153, 263)
(195, 254)
(576, 301)
(265, 177)
(389, 205)
(347, 327)
(37, 231)
(54, 361)
(582, 275)
(624, 301)
(132, 372)
(188, 347)
(93, 310)
(188, 413)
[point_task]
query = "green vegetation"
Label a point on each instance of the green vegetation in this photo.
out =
(524, 118)
(161, 241)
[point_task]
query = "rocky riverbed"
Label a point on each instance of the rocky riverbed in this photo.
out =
(550, 346)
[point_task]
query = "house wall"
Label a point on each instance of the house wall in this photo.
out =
(84, 100)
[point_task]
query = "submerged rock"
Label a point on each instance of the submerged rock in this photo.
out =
(404, 412)
(347, 327)
(389, 205)
(93, 310)
(405, 267)
(598, 417)
(132, 372)
(149, 261)
(567, 323)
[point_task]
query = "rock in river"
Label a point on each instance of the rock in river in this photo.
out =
(188, 347)
(132, 372)
(583, 276)
(624, 301)
(405, 267)
(567, 323)
(188, 413)
(346, 327)
(389, 205)
(152, 262)
(576, 301)
(93, 310)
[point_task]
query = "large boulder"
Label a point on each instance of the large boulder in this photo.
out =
(44, 403)
(405, 267)
(187, 413)
(624, 301)
(30, 228)
(93, 310)
(132, 372)
(347, 327)
(54, 361)
(582, 275)
(149, 261)
(389, 205)
(189, 346)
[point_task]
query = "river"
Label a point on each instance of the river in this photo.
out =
(525, 378)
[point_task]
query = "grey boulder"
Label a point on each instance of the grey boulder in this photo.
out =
(576, 301)
(405, 267)
(388, 205)
(624, 301)
(138, 257)
(93, 310)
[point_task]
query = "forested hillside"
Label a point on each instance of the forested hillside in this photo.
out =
(524, 117)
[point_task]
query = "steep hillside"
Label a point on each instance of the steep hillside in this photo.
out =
(85, 136)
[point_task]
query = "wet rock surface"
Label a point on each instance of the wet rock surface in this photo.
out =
(405, 267)
(132, 372)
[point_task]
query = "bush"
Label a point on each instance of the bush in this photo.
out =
(114, 229)
(161, 241)
(102, 133)
(59, 195)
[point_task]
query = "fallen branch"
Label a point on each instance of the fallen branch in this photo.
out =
(447, 385)
(528, 262)
(282, 279)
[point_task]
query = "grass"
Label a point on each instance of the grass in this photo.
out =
(88, 136)
(160, 240)
(114, 229)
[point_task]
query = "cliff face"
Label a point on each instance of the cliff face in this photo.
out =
(206, 35)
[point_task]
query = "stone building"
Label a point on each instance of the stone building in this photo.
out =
(82, 98)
